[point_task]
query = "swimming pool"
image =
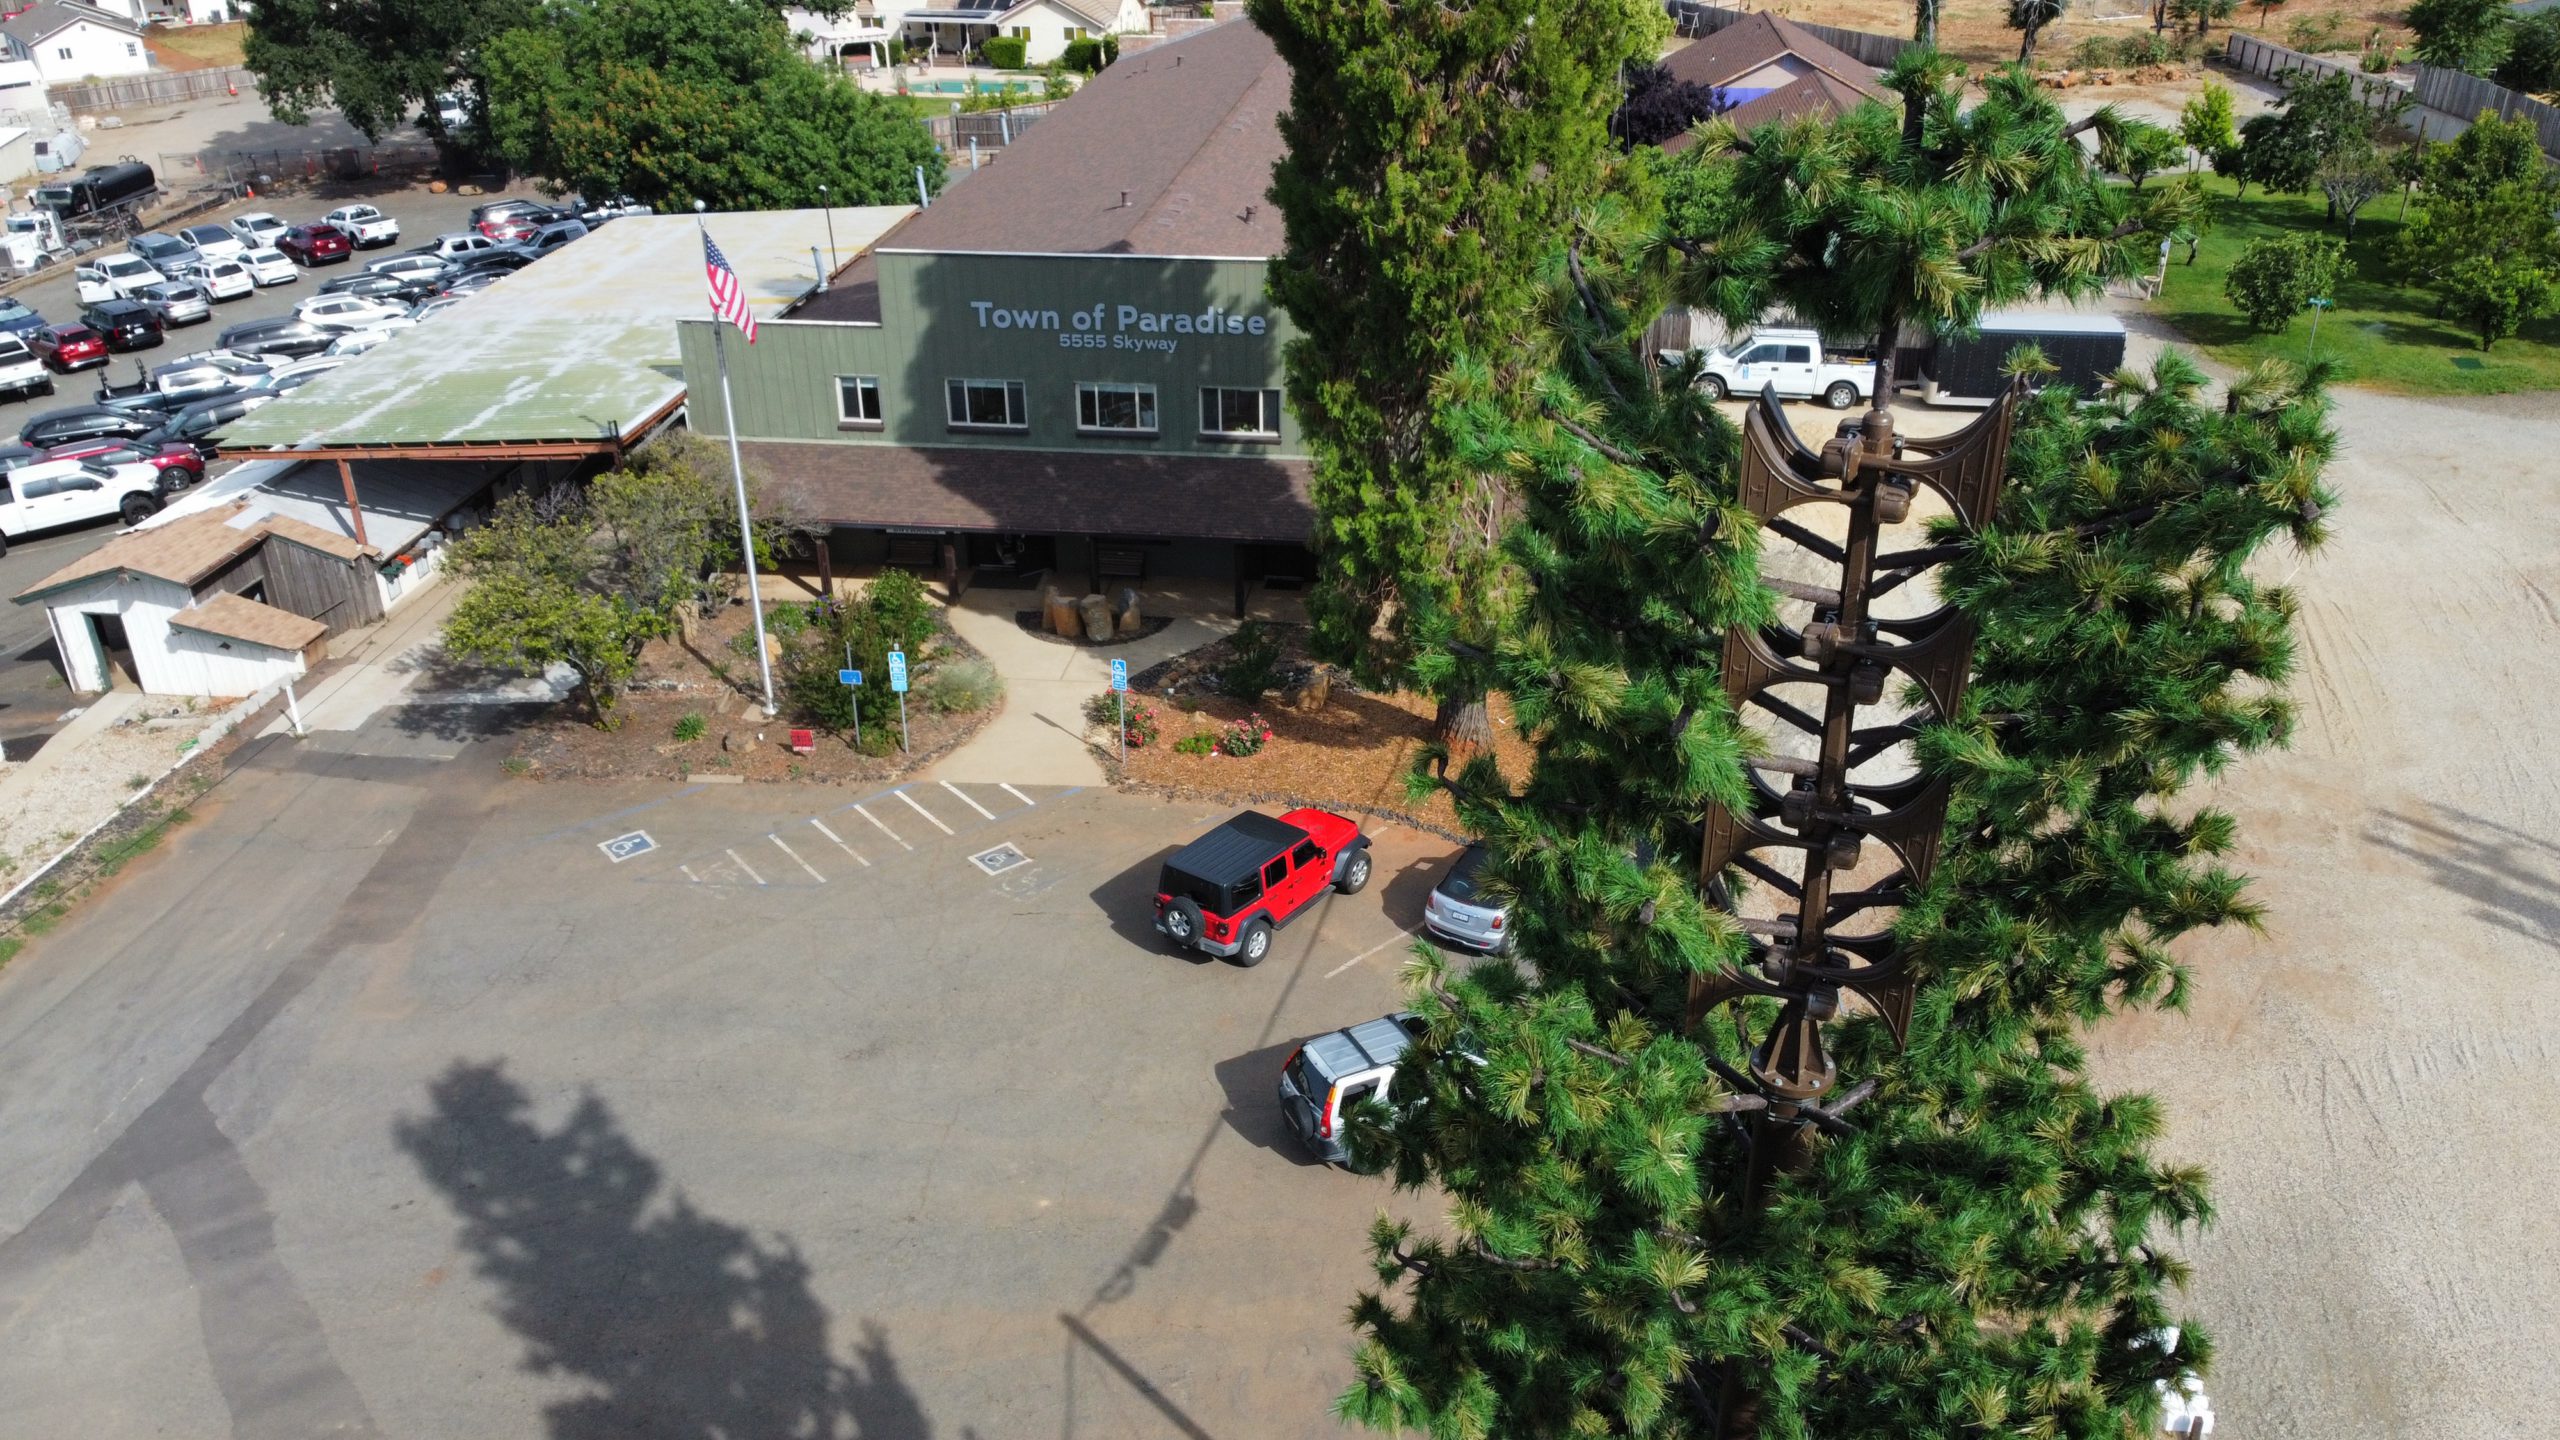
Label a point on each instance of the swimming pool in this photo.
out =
(1027, 84)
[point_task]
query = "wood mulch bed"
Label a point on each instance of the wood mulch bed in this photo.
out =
(678, 678)
(1351, 756)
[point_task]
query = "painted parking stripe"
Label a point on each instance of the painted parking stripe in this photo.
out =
(830, 834)
(983, 812)
(743, 865)
(1016, 794)
(689, 875)
(795, 858)
(885, 830)
(929, 815)
(1372, 950)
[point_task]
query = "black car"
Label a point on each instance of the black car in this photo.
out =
(127, 324)
(284, 335)
(194, 423)
(501, 259)
(18, 320)
(86, 422)
(404, 288)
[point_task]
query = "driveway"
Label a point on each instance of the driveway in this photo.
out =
(386, 1101)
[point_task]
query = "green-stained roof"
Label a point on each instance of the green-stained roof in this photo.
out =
(580, 345)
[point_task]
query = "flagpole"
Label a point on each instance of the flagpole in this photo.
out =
(746, 521)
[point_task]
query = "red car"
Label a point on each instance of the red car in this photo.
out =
(178, 463)
(1228, 890)
(69, 347)
(309, 245)
(511, 219)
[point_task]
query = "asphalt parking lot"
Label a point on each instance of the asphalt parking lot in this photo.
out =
(32, 698)
(388, 1102)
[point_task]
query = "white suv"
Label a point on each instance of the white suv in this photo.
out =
(21, 373)
(71, 492)
(120, 276)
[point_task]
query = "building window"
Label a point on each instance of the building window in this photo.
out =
(858, 401)
(1021, 32)
(64, 52)
(1240, 414)
(130, 48)
(1116, 409)
(987, 405)
(1078, 32)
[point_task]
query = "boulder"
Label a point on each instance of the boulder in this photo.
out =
(1313, 696)
(1097, 617)
(1060, 613)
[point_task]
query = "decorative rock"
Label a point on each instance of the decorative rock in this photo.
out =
(1059, 613)
(1316, 694)
(1131, 622)
(1097, 617)
(729, 740)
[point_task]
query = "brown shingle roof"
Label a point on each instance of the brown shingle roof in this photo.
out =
(181, 552)
(312, 537)
(1754, 41)
(1187, 130)
(187, 550)
(1816, 95)
(1247, 498)
(233, 618)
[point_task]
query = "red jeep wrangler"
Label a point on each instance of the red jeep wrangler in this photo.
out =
(1225, 891)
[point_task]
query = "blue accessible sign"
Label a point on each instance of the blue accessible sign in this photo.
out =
(1120, 675)
(848, 677)
(898, 671)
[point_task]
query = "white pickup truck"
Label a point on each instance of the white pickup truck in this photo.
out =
(1795, 361)
(55, 493)
(366, 227)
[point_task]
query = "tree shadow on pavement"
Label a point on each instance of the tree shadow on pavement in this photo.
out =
(680, 1325)
(2510, 876)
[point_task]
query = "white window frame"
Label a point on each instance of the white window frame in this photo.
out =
(1211, 409)
(845, 420)
(1150, 414)
(1017, 406)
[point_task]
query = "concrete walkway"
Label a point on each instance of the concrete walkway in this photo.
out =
(386, 664)
(1039, 736)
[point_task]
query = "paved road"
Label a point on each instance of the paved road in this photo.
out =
(385, 1103)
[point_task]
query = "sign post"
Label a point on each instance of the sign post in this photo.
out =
(851, 679)
(898, 682)
(1120, 700)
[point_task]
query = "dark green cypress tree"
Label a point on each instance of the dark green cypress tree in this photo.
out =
(1981, 1251)
(1434, 152)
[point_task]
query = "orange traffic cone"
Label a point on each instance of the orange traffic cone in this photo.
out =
(235, 87)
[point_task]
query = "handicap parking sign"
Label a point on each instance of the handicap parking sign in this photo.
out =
(1119, 674)
(898, 671)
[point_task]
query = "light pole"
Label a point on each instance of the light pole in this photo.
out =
(829, 206)
(2318, 304)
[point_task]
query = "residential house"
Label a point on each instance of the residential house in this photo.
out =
(1046, 27)
(1773, 69)
(72, 42)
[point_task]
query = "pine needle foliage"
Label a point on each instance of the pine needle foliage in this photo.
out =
(1982, 1251)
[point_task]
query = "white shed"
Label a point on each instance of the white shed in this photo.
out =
(177, 609)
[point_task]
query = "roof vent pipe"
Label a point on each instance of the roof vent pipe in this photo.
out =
(1124, 199)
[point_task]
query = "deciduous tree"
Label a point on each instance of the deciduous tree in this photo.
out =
(1433, 153)
(2463, 34)
(674, 101)
(1660, 105)
(2496, 294)
(373, 63)
(2532, 62)
(534, 602)
(2206, 124)
(2276, 276)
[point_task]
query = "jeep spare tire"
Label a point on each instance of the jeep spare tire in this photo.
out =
(1254, 944)
(1182, 922)
(1355, 873)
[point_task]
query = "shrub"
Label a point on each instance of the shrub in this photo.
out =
(897, 52)
(2313, 33)
(892, 612)
(1253, 664)
(968, 686)
(787, 621)
(1005, 52)
(1198, 742)
(1141, 725)
(1245, 737)
(690, 728)
(1084, 55)
(2274, 278)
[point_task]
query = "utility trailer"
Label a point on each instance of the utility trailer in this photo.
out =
(1970, 369)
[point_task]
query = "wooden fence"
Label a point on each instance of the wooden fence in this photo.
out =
(1693, 18)
(2464, 96)
(162, 87)
(2268, 61)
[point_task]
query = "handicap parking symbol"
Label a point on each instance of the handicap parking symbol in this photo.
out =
(623, 847)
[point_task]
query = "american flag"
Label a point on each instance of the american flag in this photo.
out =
(728, 297)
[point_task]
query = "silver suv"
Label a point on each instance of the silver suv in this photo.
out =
(1329, 1074)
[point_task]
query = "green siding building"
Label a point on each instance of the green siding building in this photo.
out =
(1067, 364)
